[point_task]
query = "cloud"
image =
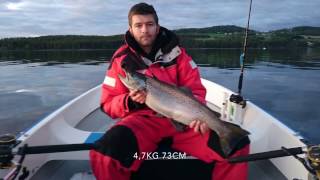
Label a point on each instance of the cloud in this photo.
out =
(14, 6)
(106, 17)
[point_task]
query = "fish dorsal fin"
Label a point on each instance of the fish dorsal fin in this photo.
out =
(186, 90)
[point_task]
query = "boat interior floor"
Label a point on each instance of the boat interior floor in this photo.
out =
(153, 169)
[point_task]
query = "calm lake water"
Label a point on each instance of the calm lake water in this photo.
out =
(285, 83)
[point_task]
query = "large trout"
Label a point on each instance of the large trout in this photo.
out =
(175, 103)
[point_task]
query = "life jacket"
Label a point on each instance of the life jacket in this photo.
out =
(167, 61)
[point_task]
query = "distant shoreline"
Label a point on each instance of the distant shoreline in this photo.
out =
(225, 37)
(48, 50)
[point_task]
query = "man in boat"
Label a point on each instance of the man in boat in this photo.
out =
(154, 51)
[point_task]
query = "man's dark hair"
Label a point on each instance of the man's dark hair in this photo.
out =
(142, 9)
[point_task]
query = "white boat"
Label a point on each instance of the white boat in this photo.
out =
(81, 121)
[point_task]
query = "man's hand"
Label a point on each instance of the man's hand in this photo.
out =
(138, 96)
(199, 126)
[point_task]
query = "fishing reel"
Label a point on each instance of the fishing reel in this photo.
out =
(238, 99)
(313, 156)
(311, 161)
(7, 143)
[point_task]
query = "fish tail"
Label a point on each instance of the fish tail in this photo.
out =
(231, 139)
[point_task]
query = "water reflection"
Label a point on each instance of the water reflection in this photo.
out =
(51, 58)
(229, 58)
(34, 83)
(306, 58)
(29, 92)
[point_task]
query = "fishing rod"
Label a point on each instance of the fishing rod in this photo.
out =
(237, 98)
(8, 143)
(8, 151)
(311, 161)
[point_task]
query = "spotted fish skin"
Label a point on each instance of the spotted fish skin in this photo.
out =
(175, 103)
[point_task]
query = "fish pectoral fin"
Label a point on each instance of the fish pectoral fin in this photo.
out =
(217, 114)
(179, 126)
(186, 90)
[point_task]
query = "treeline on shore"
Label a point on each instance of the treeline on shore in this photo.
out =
(211, 37)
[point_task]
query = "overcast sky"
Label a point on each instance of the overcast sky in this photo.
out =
(106, 17)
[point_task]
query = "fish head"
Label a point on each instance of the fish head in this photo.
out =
(133, 80)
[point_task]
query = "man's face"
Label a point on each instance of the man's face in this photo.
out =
(144, 29)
